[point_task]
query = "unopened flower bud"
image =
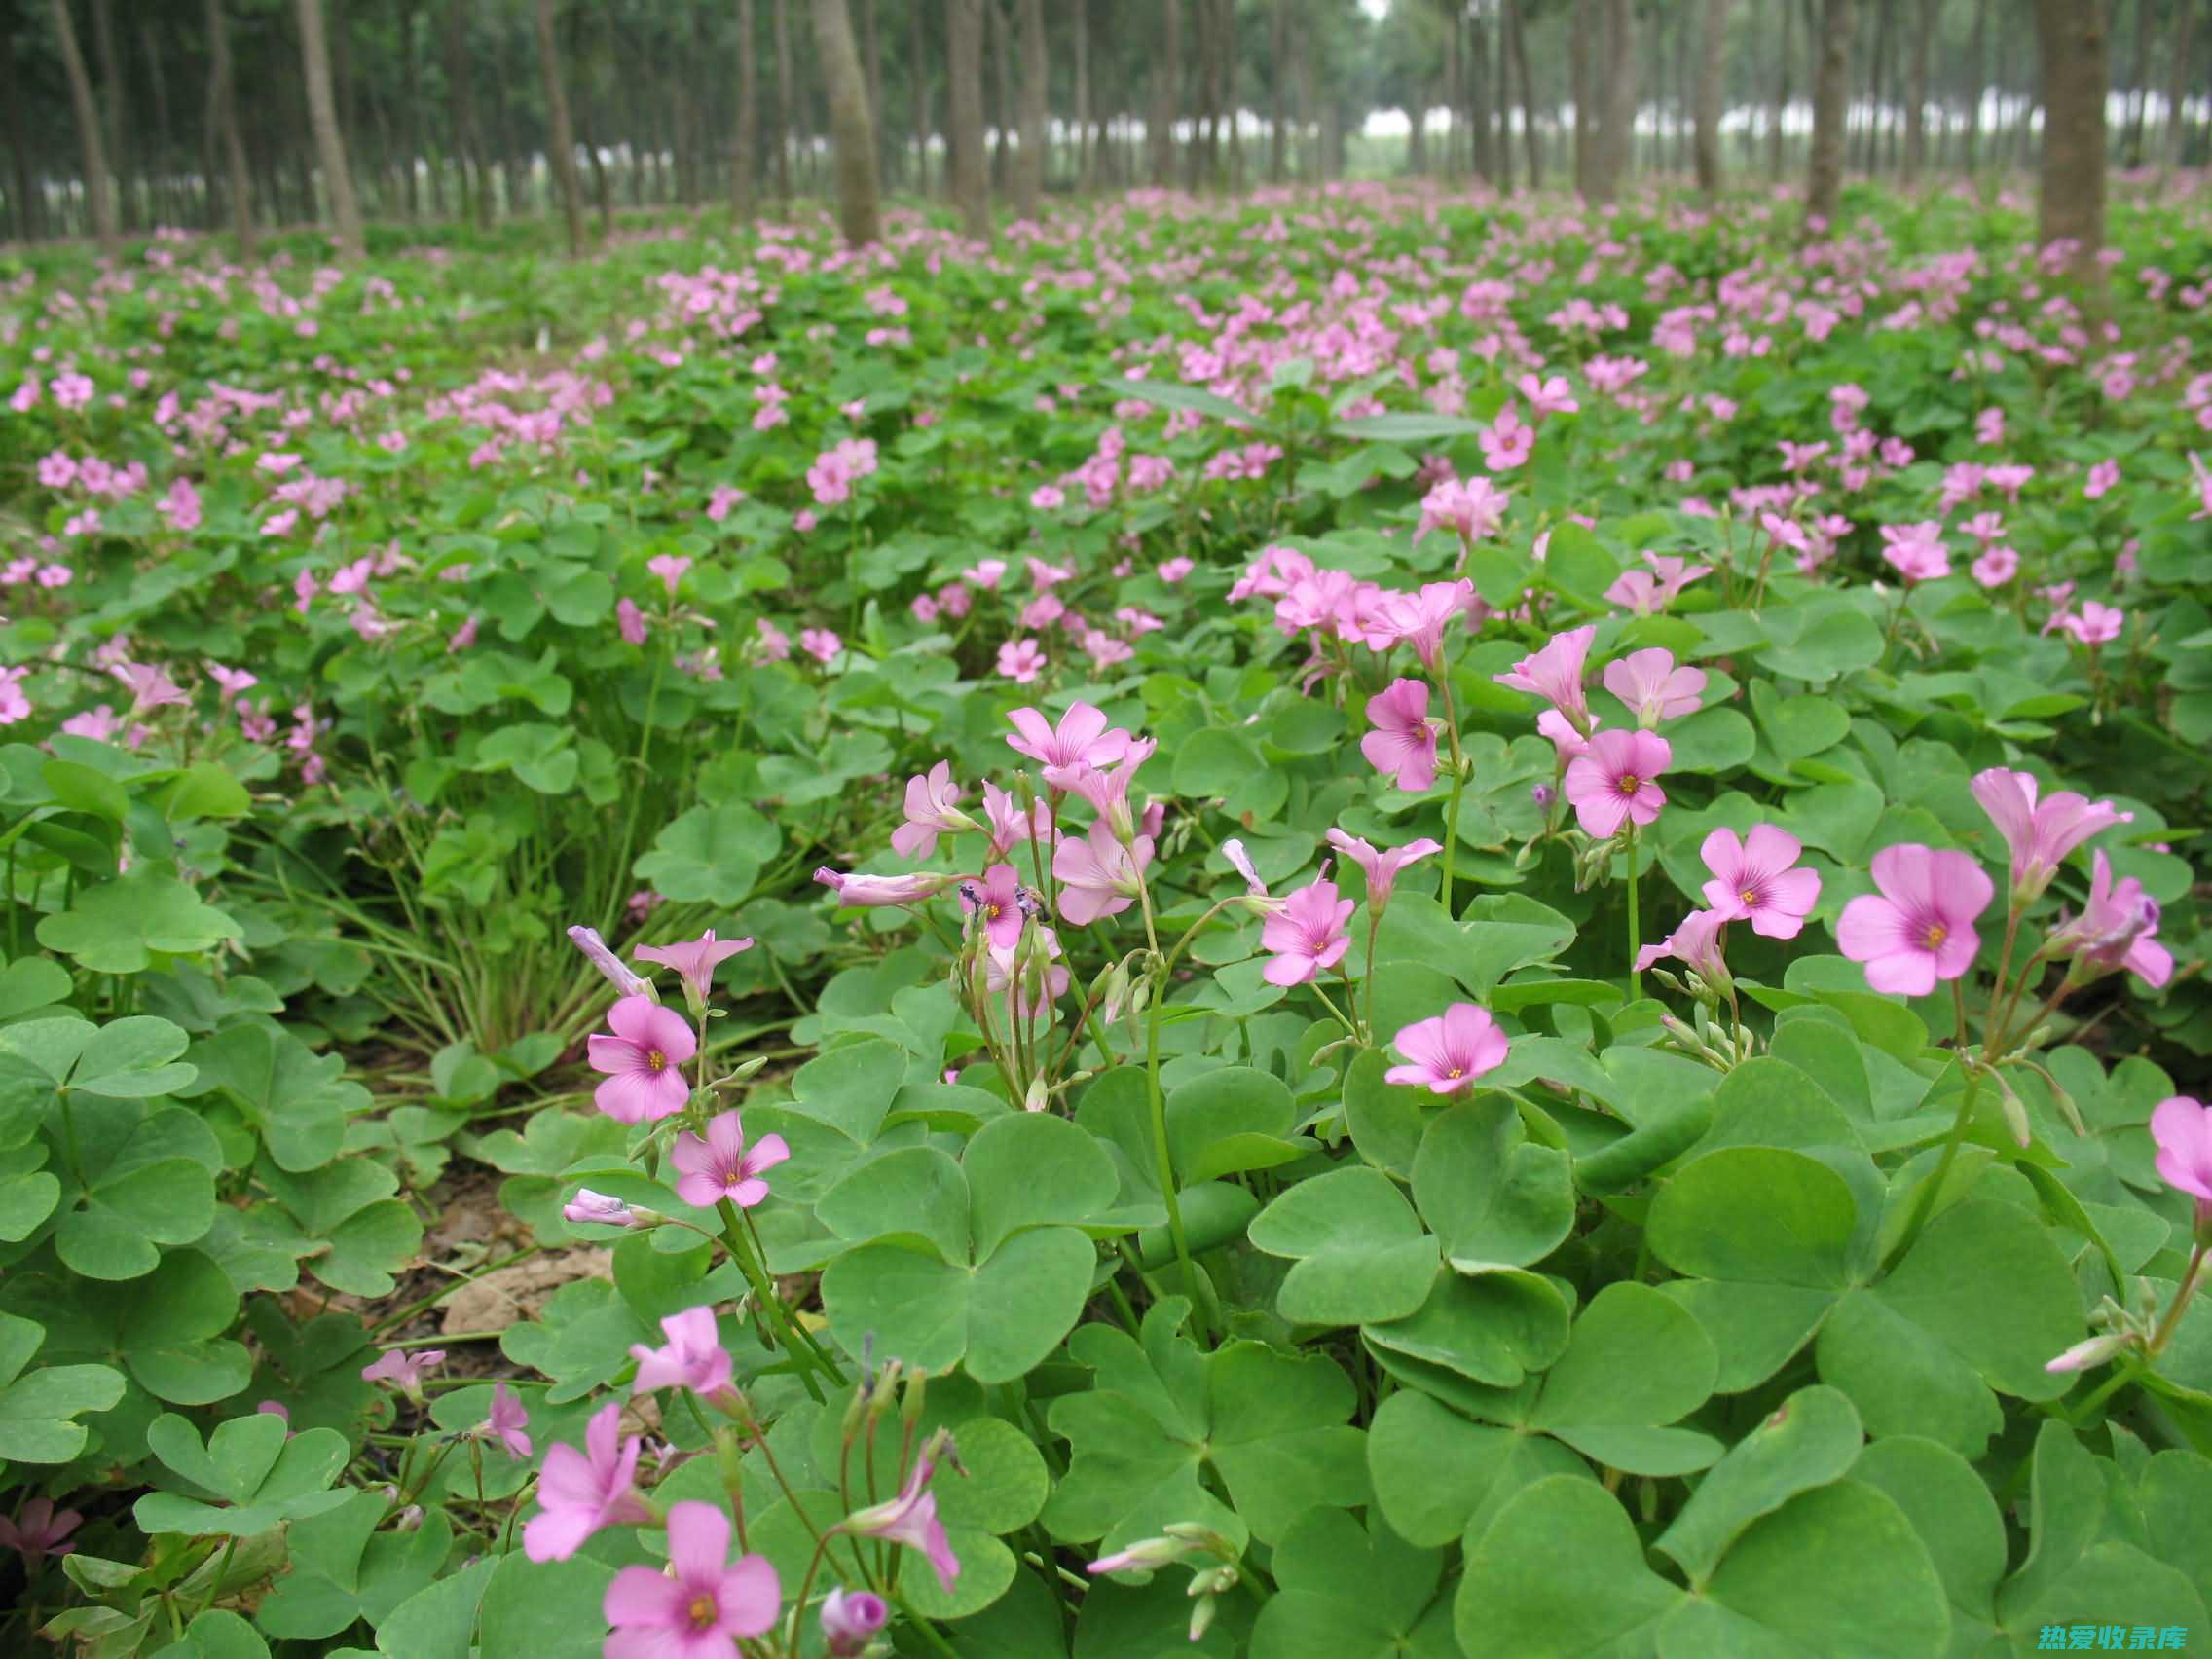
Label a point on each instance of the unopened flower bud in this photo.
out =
(1146, 1555)
(625, 982)
(2094, 1350)
(1201, 1618)
(1034, 1097)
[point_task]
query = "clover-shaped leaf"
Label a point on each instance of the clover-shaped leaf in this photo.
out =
(296, 1100)
(120, 925)
(711, 854)
(1492, 1196)
(255, 1471)
(1362, 1254)
(36, 1408)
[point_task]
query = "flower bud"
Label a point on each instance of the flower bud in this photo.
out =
(2095, 1350)
(1034, 1098)
(625, 982)
(601, 1210)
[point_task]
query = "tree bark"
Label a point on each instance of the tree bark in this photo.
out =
(322, 119)
(1916, 93)
(1501, 103)
(744, 140)
(1618, 137)
(1029, 159)
(1579, 27)
(1831, 88)
(784, 110)
(1279, 93)
(2138, 84)
(1166, 95)
(1977, 84)
(1711, 63)
(964, 60)
(2073, 41)
(851, 131)
(99, 186)
(468, 134)
(1517, 42)
(112, 110)
(2178, 52)
(918, 84)
(223, 111)
(1086, 152)
(561, 136)
(1002, 95)
(1475, 67)
(30, 222)
(1774, 134)
(872, 61)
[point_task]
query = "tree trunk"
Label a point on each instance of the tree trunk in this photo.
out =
(1916, 93)
(1001, 115)
(1711, 63)
(872, 61)
(1870, 135)
(742, 141)
(322, 118)
(1452, 74)
(851, 131)
(1309, 165)
(468, 136)
(1579, 27)
(2138, 85)
(411, 101)
(29, 221)
(111, 108)
(918, 85)
(1086, 152)
(1977, 83)
(1774, 133)
(561, 136)
(1029, 161)
(99, 186)
(1517, 42)
(155, 158)
(1279, 93)
(784, 110)
(2072, 39)
(1226, 94)
(1831, 88)
(2178, 52)
(1617, 139)
(964, 61)
(1475, 67)
(223, 116)
(1166, 95)
(1501, 103)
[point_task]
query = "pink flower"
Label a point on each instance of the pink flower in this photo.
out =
(1448, 1053)
(508, 1421)
(931, 811)
(1081, 739)
(404, 1370)
(1009, 825)
(1613, 781)
(694, 959)
(849, 1619)
(1306, 934)
(151, 687)
(1382, 866)
(703, 1606)
(721, 501)
(1507, 441)
(1919, 928)
(2039, 833)
(1695, 943)
(617, 973)
(2102, 477)
(1554, 674)
(910, 1518)
(580, 1492)
(1474, 508)
(1403, 744)
(15, 705)
(1654, 687)
(1021, 661)
(1550, 395)
(1995, 568)
(1753, 880)
(670, 568)
(1173, 570)
(1419, 619)
(1107, 791)
(1004, 970)
(868, 892)
(1048, 497)
(2181, 1128)
(644, 1061)
(464, 637)
(1098, 875)
(997, 904)
(820, 644)
(2114, 930)
(230, 681)
(630, 622)
(1916, 550)
(597, 1209)
(694, 1356)
(722, 1166)
(2097, 624)
(38, 1531)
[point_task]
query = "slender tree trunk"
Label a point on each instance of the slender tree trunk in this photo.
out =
(1226, 87)
(1029, 159)
(1279, 93)
(1003, 116)
(223, 113)
(2138, 84)
(2180, 43)
(1086, 152)
(1517, 42)
(112, 95)
(99, 185)
(1774, 134)
(1711, 63)
(1977, 84)
(1578, 30)
(1831, 89)
(1452, 74)
(871, 59)
(785, 111)
(1617, 140)
(2073, 41)
(468, 134)
(411, 104)
(560, 138)
(918, 84)
(1476, 69)
(964, 58)
(1167, 93)
(30, 222)
(1916, 92)
(1871, 134)
(743, 142)
(1501, 104)
(154, 162)
(851, 131)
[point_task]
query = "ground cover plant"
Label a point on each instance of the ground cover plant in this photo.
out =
(1345, 923)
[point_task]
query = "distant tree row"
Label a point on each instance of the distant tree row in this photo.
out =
(244, 113)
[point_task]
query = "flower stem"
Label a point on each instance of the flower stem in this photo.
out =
(1925, 1203)
(765, 1295)
(2122, 1375)
(1635, 922)
(1164, 1162)
(2166, 1330)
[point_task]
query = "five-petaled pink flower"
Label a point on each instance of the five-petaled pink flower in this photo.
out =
(1306, 934)
(693, 1358)
(2040, 831)
(1098, 875)
(996, 901)
(404, 1370)
(670, 568)
(910, 1518)
(1919, 928)
(1448, 1053)
(1382, 866)
(2116, 928)
(1402, 746)
(1021, 661)
(1754, 880)
(150, 687)
(868, 892)
(508, 1421)
(703, 1606)
(644, 1061)
(1082, 737)
(722, 1166)
(1695, 943)
(932, 810)
(39, 1530)
(580, 1492)
(2181, 1128)
(694, 959)
(1554, 674)
(1614, 781)
(1654, 687)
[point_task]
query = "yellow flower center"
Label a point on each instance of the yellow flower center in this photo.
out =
(1750, 896)
(990, 912)
(1456, 1071)
(1629, 784)
(1937, 934)
(702, 1612)
(655, 1060)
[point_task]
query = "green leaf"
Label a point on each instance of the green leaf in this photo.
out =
(1798, 727)
(149, 1181)
(130, 1059)
(1811, 1439)
(204, 790)
(296, 1098)
(1493, 1327)
(710, 855)
(546, 1609)
(1438, 1475)
(1001, 1317)
(1634, 1360)
(1361, 1253)
(259, 1473)
(1344, 1592)
(120, 925)
(1033, 1169)
(1228, 1121)
(36, 1409)
(1494, 1197)
(1560, 1571)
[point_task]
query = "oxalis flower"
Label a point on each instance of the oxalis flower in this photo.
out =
(693, 1358)
(2114, 930)
(1098, 875)
(695, 960)
(932, 810)
(644, 1061)
(910, 1518)
(1081, 739)
(1919, 928)
(1695, 943)
(2040, 830)
(508, 1421)
(1306, 934)
(703, 1606)
(1402, 747)
(1381, 868)
(849, 1619)
(1554, 674)
(580, 1492)
(1447, 1054)
(1654, 687)
(722, 1166)
(1612, 781)
(1754, 880)
(2181, 1128)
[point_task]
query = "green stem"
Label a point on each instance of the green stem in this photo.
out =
(2122, 1375)
(1635, 922)
(2166, 1330)
(1451, 837)
(765, 1297)
(1165, 1162)
(1925, 1203)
